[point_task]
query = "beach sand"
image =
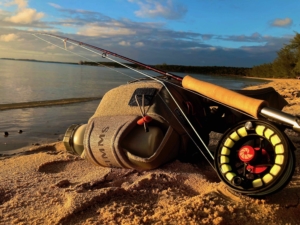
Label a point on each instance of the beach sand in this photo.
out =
(46, 185)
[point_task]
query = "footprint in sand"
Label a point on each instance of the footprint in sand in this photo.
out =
(54, 166)
(5, 195)
(78, 174)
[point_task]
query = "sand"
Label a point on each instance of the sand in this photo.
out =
(46, 185)
(289, 89)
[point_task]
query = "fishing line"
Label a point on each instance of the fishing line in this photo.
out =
(104, 55)
(65, 49)
(197, 146)
(159, 81)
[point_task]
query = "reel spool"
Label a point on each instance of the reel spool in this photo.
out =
(254, 158)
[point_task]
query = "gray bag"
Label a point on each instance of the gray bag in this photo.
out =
(113, 137)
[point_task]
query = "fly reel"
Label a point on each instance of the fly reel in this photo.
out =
(254, 158)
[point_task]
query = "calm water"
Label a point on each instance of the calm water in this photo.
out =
(22, 81)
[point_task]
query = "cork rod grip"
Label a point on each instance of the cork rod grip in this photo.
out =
(246, 104)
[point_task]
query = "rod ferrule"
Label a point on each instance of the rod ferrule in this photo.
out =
(281, 117)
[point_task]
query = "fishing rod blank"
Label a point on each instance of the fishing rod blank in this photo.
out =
(104, 55)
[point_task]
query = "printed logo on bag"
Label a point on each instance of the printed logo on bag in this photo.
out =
(102, 149)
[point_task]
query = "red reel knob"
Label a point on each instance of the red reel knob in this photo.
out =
(246, 153)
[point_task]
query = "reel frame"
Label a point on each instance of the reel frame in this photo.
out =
(254, 158)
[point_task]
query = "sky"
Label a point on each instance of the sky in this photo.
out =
(239, 33)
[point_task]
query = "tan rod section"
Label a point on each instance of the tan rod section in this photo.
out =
(246, 104)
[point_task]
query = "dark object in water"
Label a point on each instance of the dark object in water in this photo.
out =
(6, 134)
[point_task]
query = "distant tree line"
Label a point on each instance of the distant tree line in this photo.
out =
(211, 70)
(287, 63)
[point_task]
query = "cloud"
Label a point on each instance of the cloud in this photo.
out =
(255, 37)
(95, 24)
(23, 15)
(282, 22)
(124, 43)
(54, 5)
(206, 36)
(133, 39)
(105, 31)
(21, 4)
(139, 44)
(155, 8)
(80, 16)
(9, 37)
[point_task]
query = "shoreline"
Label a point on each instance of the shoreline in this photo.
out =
(44, 103)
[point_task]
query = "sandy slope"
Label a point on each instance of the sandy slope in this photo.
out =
(289, 89)
(46, 185)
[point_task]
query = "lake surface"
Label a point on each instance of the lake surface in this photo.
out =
(24, 81)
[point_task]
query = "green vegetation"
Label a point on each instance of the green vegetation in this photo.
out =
(287, 63)
(211, 70)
